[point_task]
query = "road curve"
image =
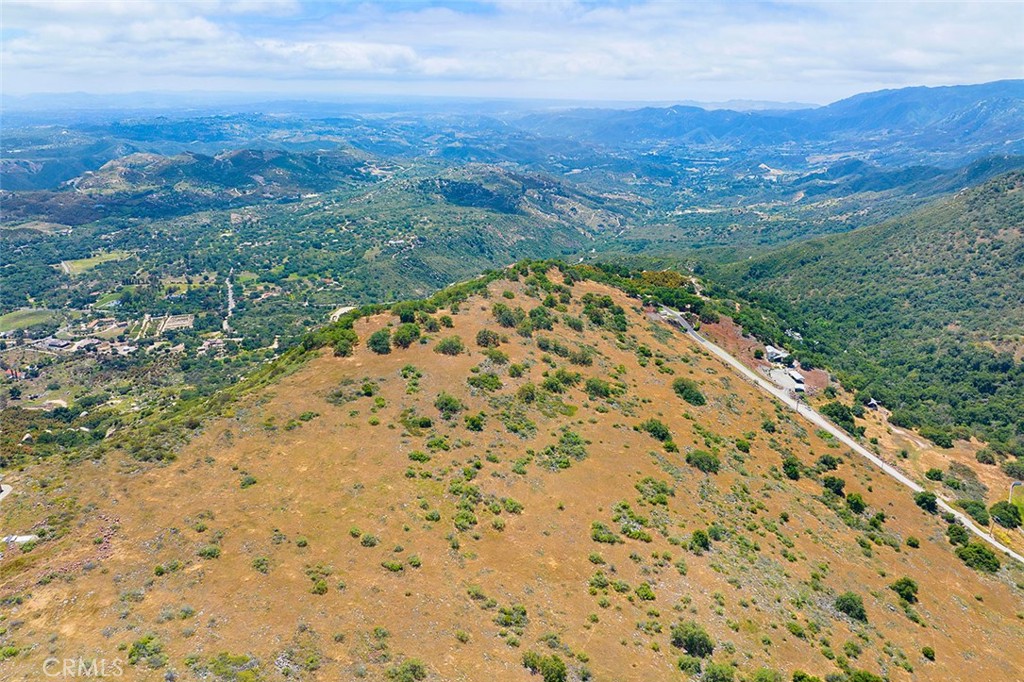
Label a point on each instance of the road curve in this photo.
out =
(808, 413)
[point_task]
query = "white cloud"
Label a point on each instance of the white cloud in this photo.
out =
(782, 50)
(358, 58)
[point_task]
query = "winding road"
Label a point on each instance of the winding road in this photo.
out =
(811, 415)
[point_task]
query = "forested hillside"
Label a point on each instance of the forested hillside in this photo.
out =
(924, 313)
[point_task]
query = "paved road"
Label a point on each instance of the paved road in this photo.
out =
(821, 421)
(231, 302)
(5, 490)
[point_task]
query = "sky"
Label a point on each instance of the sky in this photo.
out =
(616, 50)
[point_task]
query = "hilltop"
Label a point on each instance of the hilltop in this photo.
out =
(528, 471)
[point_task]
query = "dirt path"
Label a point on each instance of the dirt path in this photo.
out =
(819, 420)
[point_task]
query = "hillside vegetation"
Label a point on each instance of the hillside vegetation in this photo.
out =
(525, 475)
(923, 313)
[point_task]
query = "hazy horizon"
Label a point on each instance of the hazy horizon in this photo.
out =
(559, 50)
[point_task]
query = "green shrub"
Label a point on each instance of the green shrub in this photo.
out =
(488, 381)
(602, 533)
(209, 551)
(856, 503)
(236, 668)
(496, 356)
(913, 542)
(933, 474)
(928, 653)
(687, 390)
(985, 456)
(512, 506)
(513, 616)
(975, 509)
(475, 422)
(570, 447)
(451, 345)
(486, 338)
(828, 462)
(411, 670)
(147, 650)
(834, 484)
(655, 428)
(599, 389)
(704, 461)
(689, 665)
(852, 605)
(393, 566)
(1005, 514)
(654, 491)
(979, 557)
(699, 542)
(842, 415)
(551, 668)
(448, 405)
(693, 639)
(719, 672)
(927, 500)
(644, 592)
(957, 534)
(464, 519)
(1014, 468)
(406, 335)
(906, 588)
(380, 342)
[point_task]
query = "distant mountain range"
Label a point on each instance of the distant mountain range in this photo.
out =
(935, 125)
(947, 126)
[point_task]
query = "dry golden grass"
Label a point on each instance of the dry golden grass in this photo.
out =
(338, 471)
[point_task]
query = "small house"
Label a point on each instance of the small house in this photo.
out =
(775, 354)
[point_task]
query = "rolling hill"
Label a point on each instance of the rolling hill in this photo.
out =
(526, 474)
